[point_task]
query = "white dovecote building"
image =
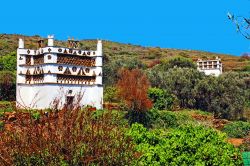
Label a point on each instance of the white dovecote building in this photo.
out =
(210, 67)
(51, 75)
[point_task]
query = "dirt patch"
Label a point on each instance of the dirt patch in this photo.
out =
(220, 123)
(236, 141)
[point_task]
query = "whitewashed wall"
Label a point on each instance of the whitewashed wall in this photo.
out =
(41, 96)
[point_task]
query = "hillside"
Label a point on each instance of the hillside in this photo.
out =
(118, 51)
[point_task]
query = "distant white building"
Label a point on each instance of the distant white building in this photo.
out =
(210, 67)
(56, 75)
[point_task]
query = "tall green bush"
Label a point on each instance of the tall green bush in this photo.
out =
(161, 98)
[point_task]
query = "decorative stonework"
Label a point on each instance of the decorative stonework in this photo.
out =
(60, 68)
(28, 60)
(67, 71)
(81, 72)
(62, 79)
(38, 59)
(75, 60)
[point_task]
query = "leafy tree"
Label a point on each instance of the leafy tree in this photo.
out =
(157, 73)
(8, 62)
(112, 67)
(7, 85)
(161, 98)
(214, 94)
(132, 88)
(204, 92)
(180, 82)
(185, 145)
(229, 98)
(179, 62)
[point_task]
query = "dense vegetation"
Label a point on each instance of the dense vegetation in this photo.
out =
(166, 112)
(77, 137)
(186, 145)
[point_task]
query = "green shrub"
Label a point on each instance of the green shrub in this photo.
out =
(246, 68)
(168, 119)
(181, 62)
(161, 99)
(186, 145)
(110, 94)
(237, 129)
(36, 115)
(5, 106)
(8, 62)
(1, 125)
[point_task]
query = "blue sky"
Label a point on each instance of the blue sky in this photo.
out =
(183, 24)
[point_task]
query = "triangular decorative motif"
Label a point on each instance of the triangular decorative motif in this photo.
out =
(28, 72)
(81, 72)
(93, 73)
(65, 51)
(41, 71)
(67, 71)
(74, 53)
(38, 70)
(84, 53)
(100, 74)
(49, 72)
(34, 73)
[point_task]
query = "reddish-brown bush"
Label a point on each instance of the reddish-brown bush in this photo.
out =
(71, 137)
(132, 89)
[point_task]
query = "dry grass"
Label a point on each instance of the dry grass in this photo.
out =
(114, 51)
